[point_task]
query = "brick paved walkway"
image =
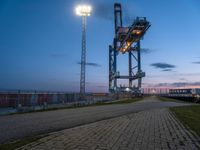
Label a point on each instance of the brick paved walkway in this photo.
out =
(14, 127)
(153, 129)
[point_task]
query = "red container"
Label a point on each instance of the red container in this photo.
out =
(4, 101)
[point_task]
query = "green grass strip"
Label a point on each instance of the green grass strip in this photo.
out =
(189, 116)
(20, 143)
(165, 99)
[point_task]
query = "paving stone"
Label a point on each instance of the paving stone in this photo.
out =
(154, 129)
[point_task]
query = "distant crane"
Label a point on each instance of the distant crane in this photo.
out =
(126, 40)
(84, 11)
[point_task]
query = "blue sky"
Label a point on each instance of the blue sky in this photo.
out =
(40, 43)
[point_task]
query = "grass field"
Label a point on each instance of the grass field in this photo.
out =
(189, 116)
(20, 143)
(164, 99)
(123, 101)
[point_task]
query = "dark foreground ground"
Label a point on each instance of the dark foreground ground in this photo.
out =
(155, 129)
(17, 126)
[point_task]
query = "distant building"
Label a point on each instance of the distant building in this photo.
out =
(154, 90)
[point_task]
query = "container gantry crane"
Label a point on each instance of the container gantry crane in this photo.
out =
(127, 40)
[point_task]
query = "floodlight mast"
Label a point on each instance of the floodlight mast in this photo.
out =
(84, 11)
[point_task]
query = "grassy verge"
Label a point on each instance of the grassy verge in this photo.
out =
(164, 99)
(20, 143)
(189, 116)
(124, 101)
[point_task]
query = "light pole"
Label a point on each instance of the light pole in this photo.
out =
(84, 11)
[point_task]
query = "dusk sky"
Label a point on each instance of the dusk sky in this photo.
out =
(40, 43)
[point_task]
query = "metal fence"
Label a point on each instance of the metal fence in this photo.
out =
(17, 99)
(25, 101)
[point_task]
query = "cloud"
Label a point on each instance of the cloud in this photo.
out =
(176, 84)
(183, 75)
(196, 62)
(103, 10)
(164, 66)
(182, 79)
(91, 64)
(146, 50)
(184, 84)
(167, 70)
(106, 11)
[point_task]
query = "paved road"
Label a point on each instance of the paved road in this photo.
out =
(17, 126)
(155, 129)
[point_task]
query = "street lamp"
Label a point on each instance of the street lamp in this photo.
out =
(84, 11)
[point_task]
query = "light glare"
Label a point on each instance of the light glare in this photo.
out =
(83, 10)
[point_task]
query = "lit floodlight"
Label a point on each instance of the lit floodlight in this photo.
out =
(83, 10)
(127, 89)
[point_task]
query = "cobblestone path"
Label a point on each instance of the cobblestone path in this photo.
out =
(155, 129)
